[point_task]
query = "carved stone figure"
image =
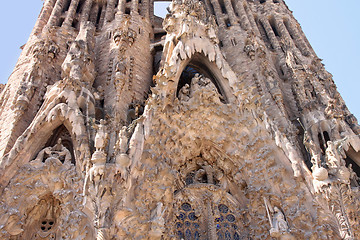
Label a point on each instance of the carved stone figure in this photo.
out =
(184, 93)
(157, 221)
(279, 224)
(101, 136)
(79, 65)
(312, 148)
(58, 151)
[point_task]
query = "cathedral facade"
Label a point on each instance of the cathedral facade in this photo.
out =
(217, 122)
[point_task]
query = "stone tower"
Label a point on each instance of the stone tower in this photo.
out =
(217, 122)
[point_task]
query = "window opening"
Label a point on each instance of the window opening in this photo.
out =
(80, 6)
(286, 23)
(187, 225)
(233, 41)
(273, 26)
(158, 36)
(263, 33)
(262, 1)
(75, 23)
(127, 10)
(222, 6)
(227, 22)
(234, 7)
(98, 15)
(326, 137)
(66, 6)
(157, 58)
(226, 227)
(322, 144)
(61, 21)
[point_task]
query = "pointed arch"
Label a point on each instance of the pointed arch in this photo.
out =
(51, 116)
(200, 64)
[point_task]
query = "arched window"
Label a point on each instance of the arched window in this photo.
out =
(205, 217)
(204, 208)
(198, 67)
(42, 221)
(62, 133)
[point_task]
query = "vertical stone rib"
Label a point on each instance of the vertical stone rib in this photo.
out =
(56, 13)
(232, 17)
(299, 41)
(44, 16)
(86, 11)
(102, 17)
(134, 7)
(121, 6)
(93, 13)
(145, 8)
(71, 13)
(244, 21)
(109, 15)
(218, 12)
(270, 33)
(151, 10)
(251, 20)
(280, 26)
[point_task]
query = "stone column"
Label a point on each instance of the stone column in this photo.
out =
(218, 13)
(56, 13)
(231, 12)
(121, 6)
(244, 21)
(102, 17)
(280, 26)
(109, 15)
(71, 13)
(297, 38)
(270, 33)
(86, 11)
(44, 16)
(251, 20)
(94, 12)
(134, 7)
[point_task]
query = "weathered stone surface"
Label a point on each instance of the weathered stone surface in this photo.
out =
(217, 122)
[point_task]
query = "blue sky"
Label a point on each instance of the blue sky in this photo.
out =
(332, 27)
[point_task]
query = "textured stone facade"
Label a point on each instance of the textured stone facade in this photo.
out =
(217, 122)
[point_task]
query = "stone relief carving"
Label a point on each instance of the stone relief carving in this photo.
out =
(202, 87)
(279, 226)
(58, 151)
(53, 207)
(24, 95)
(79, 65)
(45, 50)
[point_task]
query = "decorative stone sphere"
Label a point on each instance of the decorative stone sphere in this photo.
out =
(123, 160)
(320, 174)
